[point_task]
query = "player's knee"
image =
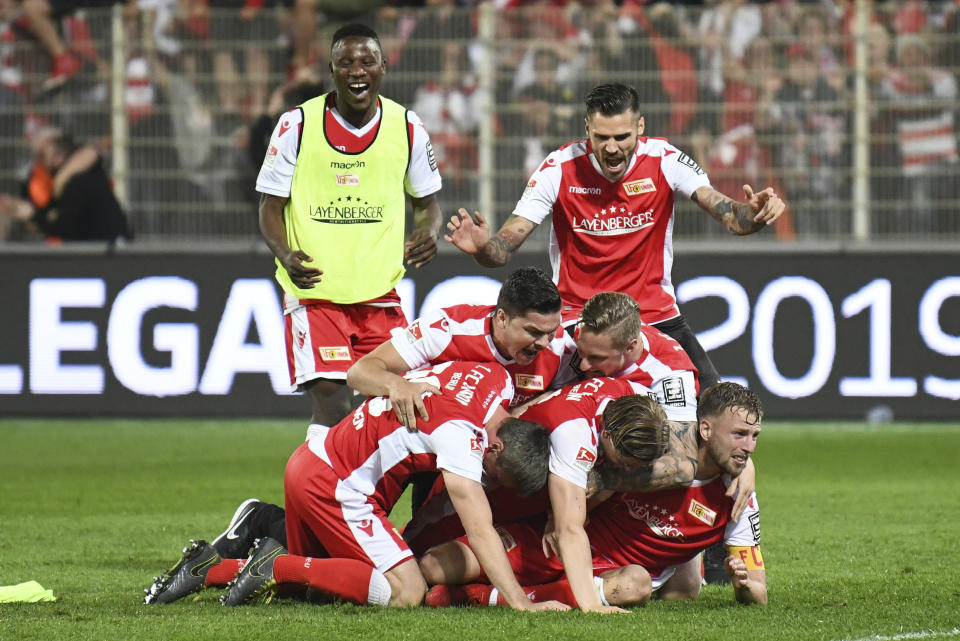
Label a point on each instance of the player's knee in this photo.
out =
(431, 568)
(407, 593)
(631, 587)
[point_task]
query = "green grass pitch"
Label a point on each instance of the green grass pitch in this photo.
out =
(860, 525)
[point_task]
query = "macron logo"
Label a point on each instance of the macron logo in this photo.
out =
(582, 191)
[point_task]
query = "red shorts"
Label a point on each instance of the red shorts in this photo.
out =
(523, 542)
(326, 518)
(324, 339)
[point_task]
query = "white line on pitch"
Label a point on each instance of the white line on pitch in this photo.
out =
(932, 634)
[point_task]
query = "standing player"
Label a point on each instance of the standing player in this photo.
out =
(639, 539)
(611, 200)
(332, 210)
(341, 484)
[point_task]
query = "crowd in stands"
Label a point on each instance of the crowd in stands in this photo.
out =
(762, 91)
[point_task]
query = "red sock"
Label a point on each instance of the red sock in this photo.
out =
(345, 579)
(223, 572)
(557, 591)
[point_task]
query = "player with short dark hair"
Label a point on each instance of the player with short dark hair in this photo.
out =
(610, 198)
(333, 188)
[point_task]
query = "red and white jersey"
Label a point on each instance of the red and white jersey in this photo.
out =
(663, 367)
(276, 172)
(570, 415)
(662, 529)
(464, 333)
(617, 233)
(375, 454)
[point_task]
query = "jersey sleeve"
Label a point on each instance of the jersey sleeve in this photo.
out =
(745, 532)
(573, 451)
(539, 196)
(423, 175)
(424, 339)
(276, 172)
(682, 172)
(459, 446)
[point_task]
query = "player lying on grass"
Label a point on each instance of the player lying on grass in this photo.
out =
(342, 482)
(642, 542)
(605, 411)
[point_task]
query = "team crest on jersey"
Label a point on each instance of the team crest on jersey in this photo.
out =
(701, 512)
(673, 392)
(347, 179)
(637, 187)
(334, 353)
(414, 332)
(529, 381)
(585, 459)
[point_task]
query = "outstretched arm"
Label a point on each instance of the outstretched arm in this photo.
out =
(471, 504)
(473, 237)
(761, 209)
(378, 374)
(677, 466)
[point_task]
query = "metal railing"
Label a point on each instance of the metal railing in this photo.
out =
(852, 116)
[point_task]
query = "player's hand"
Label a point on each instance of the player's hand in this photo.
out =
(550, 540)
(468, 235)
(302, 276)
(743, 488)
(406, 399)
(765, 205)
(736, 569)
(420, 248)
(606, 609)
(548, 606)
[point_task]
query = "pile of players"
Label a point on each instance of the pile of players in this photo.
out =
(512, 421)
(615, 429)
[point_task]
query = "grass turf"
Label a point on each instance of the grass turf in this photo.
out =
(859, 524)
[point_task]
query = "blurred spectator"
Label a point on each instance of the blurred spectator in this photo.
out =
(725, 29)
(808, 114)
(544, 112)
(68, 195)
(920, 103)
(421, 54)
(816, 32)
(451, 104)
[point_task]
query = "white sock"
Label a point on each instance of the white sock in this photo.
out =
(380, 590)
(598, 581)
(493, 597)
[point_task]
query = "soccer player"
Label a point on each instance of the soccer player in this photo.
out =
(521, 332)
(605, 419)
(612, 340)
(639, 539)
(611, 201)
(340, 485)
(333, 188)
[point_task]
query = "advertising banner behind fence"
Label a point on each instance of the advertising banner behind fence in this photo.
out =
(818, 335)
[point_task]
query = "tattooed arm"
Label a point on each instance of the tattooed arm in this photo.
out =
(473, 237)
(677, 466)
(761, 209)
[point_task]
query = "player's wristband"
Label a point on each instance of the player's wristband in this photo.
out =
(749, 554)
